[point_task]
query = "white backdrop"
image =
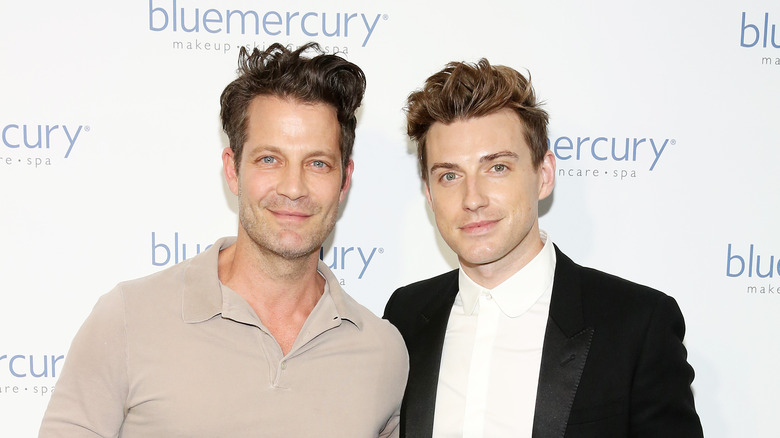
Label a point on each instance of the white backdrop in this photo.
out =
(110, 164)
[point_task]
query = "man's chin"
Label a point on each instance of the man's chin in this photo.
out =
(295, 252)
(289, 247)
(476, 259)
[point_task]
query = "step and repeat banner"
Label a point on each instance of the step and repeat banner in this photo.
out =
(665, 122)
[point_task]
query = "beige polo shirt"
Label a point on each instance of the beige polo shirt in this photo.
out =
(178, 354)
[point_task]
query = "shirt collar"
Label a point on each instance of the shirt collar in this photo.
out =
(347, 308)
(202, 297)
(517, 294)
(205, 297)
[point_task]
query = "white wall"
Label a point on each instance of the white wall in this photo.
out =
(134, 145)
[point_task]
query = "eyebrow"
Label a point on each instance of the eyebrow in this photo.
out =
(497, 155)
(256, 149)
(448, 166)
(483, 159)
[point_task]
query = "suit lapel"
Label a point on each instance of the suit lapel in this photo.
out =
(565, 350)
(425, 360)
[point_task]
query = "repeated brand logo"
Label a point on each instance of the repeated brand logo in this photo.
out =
(169, 250)
(21, 368)
(754, 264)
(760, 31)
(607, 157)
(344, 258)
(183, 18)
(35, 144)
(31, 365)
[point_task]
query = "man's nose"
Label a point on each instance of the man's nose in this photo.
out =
(292, 183)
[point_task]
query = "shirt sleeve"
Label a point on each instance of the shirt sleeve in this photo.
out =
(662, 401)
(397, 373)
(89, 397)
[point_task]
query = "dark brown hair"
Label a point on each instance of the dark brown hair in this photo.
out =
(466, 90)
(277, 71)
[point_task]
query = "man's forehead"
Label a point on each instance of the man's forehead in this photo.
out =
(477, 141)
(273, 102)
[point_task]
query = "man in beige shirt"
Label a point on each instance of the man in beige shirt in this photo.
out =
(253, 337)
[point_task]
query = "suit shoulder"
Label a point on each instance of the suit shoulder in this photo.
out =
(407, 301)
(602, 293)
(428, 286)
(617, 288)
(606, 294)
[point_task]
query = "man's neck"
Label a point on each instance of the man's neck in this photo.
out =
(282, 292)
(490, 275)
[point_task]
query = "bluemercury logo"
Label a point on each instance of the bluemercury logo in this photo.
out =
(180, 16)
(35, 139)
(751, 262)
(760, 31)
(31, 365)
(601, 153)
(26, 366)
(171, 248)
(352, 257)
(751, 35)
(172, 251)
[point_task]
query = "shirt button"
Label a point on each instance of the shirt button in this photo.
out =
(284, 365)
(488, 296)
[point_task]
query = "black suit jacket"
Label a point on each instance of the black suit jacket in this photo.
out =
(613, 362)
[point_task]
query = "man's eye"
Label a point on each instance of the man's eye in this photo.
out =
(318, 163)
(449, 176)
(268, 160)
(499, 167)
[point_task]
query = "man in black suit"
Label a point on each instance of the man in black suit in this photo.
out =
(521, 341)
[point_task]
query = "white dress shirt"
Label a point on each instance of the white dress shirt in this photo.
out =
(492, 353)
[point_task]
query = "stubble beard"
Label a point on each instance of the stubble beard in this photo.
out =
(269, 240)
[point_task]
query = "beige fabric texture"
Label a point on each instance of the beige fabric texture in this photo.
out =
(177, 354)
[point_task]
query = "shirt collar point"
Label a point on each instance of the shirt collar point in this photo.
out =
(516, 295)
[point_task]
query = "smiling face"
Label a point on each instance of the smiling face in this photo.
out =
(289, 180)
(484, 191)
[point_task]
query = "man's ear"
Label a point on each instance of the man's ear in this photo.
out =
(546, 175)
(347, 180)
(230, 170)
(428, 193)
